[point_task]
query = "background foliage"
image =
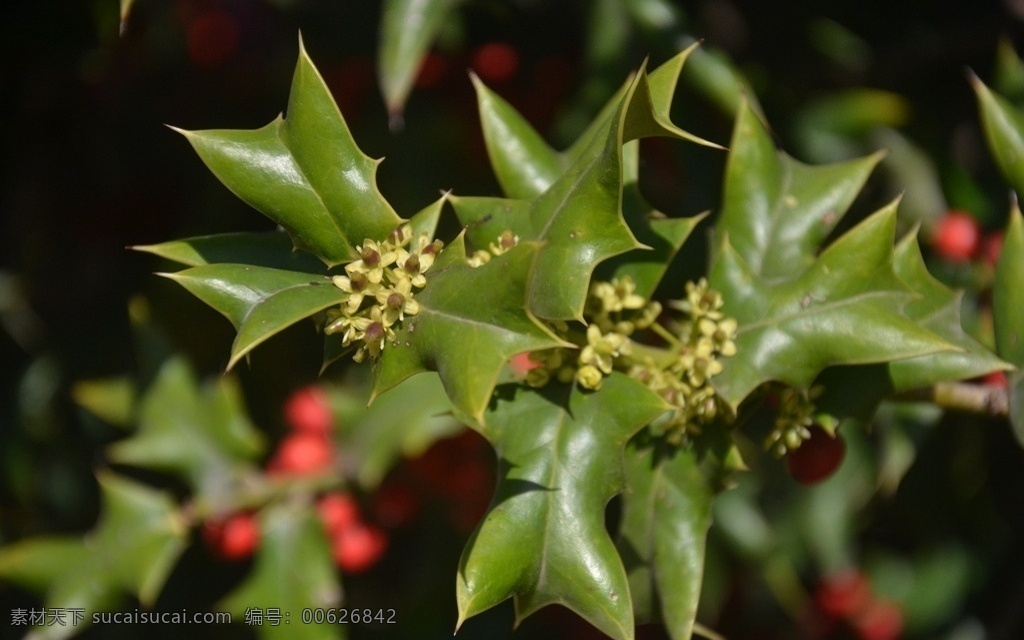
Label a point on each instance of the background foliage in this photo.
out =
(927, 503)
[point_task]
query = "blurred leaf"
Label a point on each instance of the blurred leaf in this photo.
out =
(273, 249)
(1008, 75)
(293, 571)
(1008, 314)
(714, 75)
(470, 323)
(798, 311)
(304, 172)
(110, 399)
(937, 309)
(200, 434)
(403, 422)
(131, 551)
(555, 479)
(1004, 131)
(911, 173)
(258, 301)
(665, 520)
(408, 28)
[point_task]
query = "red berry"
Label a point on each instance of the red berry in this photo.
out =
(521, 363)
(995, 379)
(879, 620)
(302, 453)
(817, 458)
(992, 247)
(395, 504)
(495, 61)
(956, 236)
(338, 511)
(234, 537)
(309, 409)
(358, 547)
(432, 70)
(212, 38)
(842, 594)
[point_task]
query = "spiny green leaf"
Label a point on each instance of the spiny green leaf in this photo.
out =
(665, 520)
(110, 399)
(201, 434)
(1004, 130)
(293, 571)
(845, 309)
(404, 422)
(1008, 314)
(776, 210)
(408, 28)
(471, 322)
(937, 309)
(130, 552)
(304, 172)
(560, 462)
(272, 249)
(258, 301)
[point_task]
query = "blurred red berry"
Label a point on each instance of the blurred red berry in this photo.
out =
(432, 70)
(992, 247)
(956, 236)
(817, 458)
(395, 504)
(338, 511)
(309, 409)
(995, 379)
(212, 37)
(842, 594)
(521, 363)
(495, 61)
(358, 547)
(234, 537)
(302, 453)
(879, 620)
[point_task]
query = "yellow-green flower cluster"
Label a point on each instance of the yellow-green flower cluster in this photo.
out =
(505, 241)
(793, 420)
(700, 340)
(381, 287)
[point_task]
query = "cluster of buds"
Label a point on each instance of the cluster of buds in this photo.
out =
(505, 241)
(794, 418)
(381, 285)
(697, 344)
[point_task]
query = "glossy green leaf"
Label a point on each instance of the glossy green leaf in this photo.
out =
(293, 571)
(402, 423)
(937, 309)
(408, 28)
(258, 301)
(845, 309)
(305, 172)
(139, 537)
(1004, 129)
(272, 249)
(777, 211)
(560, 462)
(199, 433)
(1008, 315)
(471, 322)
(666, 513)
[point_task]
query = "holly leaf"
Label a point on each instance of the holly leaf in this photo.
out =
(1004, 130)
(666, 513)
(304, 172)
(408, 28)
(936, 308)
(560, 462)
(799, 312)
(403, 423)
(131, 551)
(201, 434)
(272, 249)
(293, 570)
(1008, 315)
(470, 323)
(258, 301)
